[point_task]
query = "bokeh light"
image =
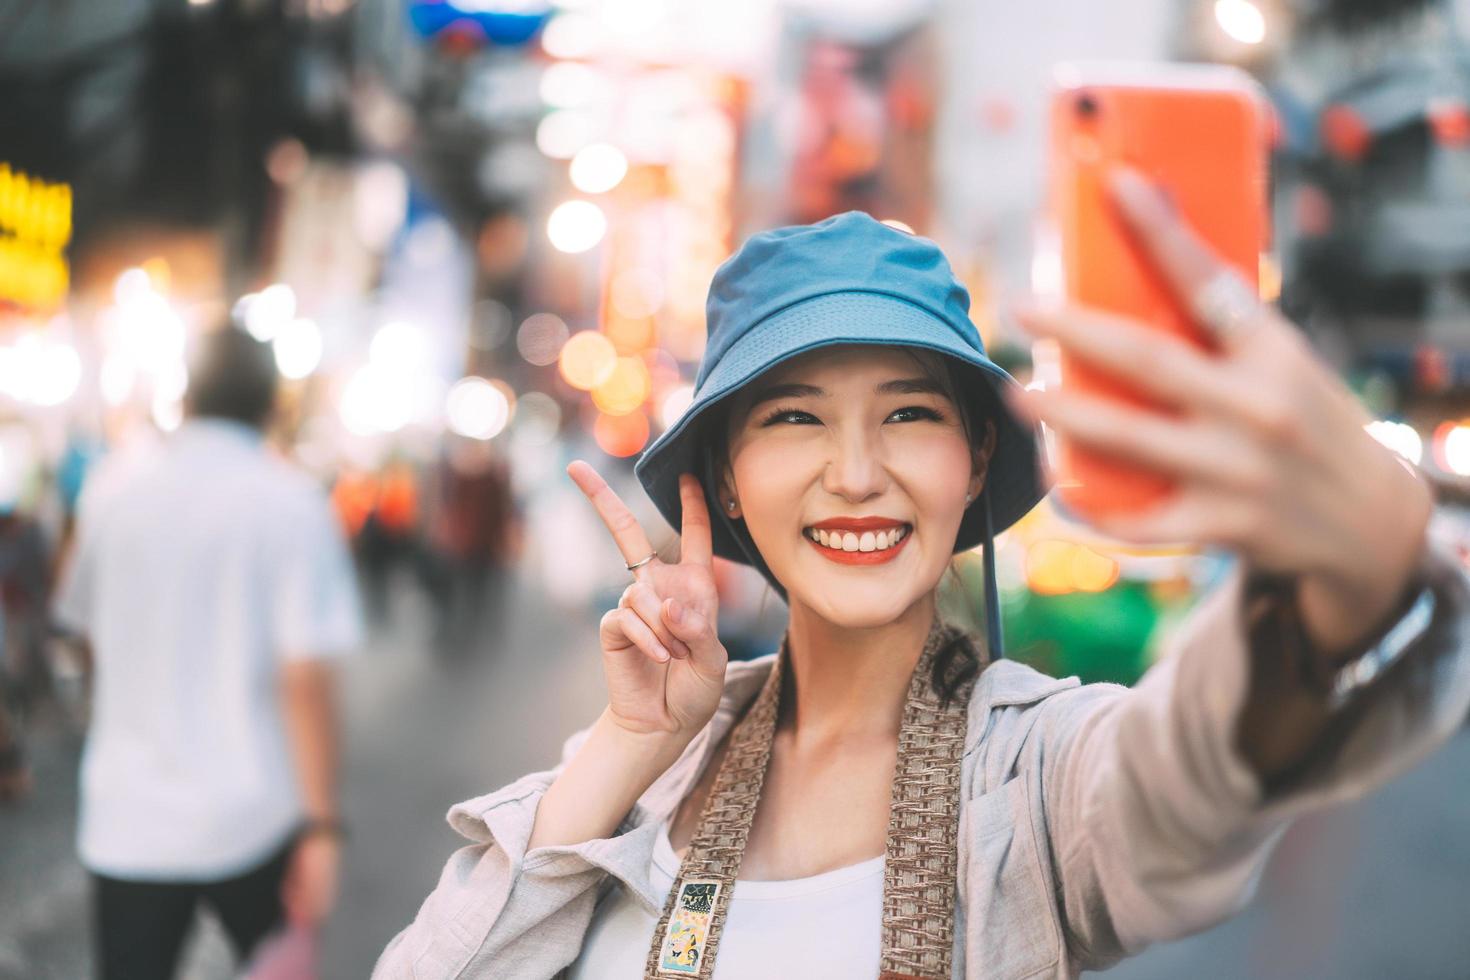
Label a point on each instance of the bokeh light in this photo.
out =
(1056, 567)
(537, 419)
(621, 435)
(571, 84)
(476, 409)
(1092, 571)
(630, 336)
(131, 286)
(39, 371)
(298, 348)
(541, 338)
(572, 36)
(55, 371)
(489, 325)
(576, 226)
(587, 360)
(266, 312)
(625, 389)
(372, 403)
(399, 345)
(1452, 447)
(1242, 20)
(563, 132)
(598, 167)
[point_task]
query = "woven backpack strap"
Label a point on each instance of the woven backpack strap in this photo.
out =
(919, 880)
(919, 868)
(688, 933)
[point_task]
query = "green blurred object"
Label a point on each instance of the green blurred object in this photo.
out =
(1098, 636)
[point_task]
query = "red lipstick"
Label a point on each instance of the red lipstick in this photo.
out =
(859, 524)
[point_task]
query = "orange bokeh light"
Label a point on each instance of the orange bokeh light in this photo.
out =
(621, 435)
(587, 360)
(630, 336)
(625, 389)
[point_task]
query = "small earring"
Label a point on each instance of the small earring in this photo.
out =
(969, 497)
(729, 505)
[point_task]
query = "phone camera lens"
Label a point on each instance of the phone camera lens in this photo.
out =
(1087, 105)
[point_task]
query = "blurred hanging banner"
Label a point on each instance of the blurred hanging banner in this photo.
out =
(477, 23)
(35, 226)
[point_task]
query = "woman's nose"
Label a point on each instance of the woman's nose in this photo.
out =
(856, 469)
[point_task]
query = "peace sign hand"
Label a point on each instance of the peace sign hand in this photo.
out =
(661, 653)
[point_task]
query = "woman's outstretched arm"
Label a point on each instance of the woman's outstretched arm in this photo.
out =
(1161, 802)
(1158, 821)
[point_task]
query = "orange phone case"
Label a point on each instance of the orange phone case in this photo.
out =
(1199, 131)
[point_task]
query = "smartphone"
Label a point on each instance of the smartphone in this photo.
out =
(1202, 133)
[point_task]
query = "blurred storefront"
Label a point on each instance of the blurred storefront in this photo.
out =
(492, 222)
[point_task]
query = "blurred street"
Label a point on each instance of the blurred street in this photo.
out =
(417, 738)
(1371, 891)
(307, 306)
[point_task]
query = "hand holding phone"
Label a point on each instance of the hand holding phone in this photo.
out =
(1200, 132)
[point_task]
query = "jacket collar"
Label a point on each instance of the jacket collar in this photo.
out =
(1004, 683)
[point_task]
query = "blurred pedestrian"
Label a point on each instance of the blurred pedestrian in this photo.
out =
(213, 586)
(885, 780)
(473, 533)
(389, 537)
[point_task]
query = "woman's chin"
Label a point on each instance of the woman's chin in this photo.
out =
(862, 605)
(861, 596)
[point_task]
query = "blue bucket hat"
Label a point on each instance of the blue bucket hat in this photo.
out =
(846, 280)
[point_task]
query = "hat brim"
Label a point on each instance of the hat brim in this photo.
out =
(1014, 481)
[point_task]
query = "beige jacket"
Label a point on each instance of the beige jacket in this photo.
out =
(1097, 819)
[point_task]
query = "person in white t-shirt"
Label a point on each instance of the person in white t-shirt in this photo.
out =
(212, 585)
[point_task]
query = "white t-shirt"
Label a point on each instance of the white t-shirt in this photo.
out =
(201, 564)
(825, 927)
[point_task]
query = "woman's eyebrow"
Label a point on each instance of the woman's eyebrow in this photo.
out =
(789, 390)
(911, 386)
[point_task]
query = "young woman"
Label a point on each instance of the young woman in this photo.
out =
(884, 796)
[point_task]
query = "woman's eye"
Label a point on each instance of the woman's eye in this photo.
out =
(788, 415)
(915, 412)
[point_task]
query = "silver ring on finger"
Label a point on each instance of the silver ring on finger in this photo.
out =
(643, 561)
(1226, 304)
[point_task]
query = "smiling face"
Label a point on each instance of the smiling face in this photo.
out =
(850, 466)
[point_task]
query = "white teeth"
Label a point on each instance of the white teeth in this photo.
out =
(853, 541)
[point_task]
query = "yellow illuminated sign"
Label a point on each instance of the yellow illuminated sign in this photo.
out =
(35, 227)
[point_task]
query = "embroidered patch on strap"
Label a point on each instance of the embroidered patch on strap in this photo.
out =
(689, 925)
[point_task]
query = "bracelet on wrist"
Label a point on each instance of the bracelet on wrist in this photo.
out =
(1338, 681)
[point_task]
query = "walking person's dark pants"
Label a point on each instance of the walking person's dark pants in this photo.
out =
(141, 925)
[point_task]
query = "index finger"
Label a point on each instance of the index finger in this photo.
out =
(1187, 263)
(627, 533)
(694, 537)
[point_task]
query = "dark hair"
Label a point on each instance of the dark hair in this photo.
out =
(232, 376)
(956, 663)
